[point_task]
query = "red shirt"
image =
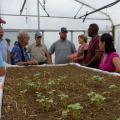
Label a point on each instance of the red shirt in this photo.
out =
(80, 52)
(92, 48)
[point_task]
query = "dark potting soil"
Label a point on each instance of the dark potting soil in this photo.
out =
(20, 100)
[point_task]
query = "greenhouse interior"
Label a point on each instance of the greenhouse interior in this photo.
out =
(59, 60)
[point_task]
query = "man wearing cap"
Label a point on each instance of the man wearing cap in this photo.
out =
(62, 48)
(38, 51)
(4, 48)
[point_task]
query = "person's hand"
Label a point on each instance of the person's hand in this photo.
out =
(49, 62)
(32, 62)
(70, 58)
(22, 63)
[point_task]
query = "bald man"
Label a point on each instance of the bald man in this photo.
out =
(94, 54)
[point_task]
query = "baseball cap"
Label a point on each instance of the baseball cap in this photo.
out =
(63, 29)
(38, 34)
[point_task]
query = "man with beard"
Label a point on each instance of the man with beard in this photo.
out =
(62, 48)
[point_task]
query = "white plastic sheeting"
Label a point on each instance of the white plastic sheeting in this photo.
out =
(64, 8)
(117, 39)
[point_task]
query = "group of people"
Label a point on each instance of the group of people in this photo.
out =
(99, 53)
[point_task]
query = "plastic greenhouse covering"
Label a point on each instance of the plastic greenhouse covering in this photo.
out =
(54, 14)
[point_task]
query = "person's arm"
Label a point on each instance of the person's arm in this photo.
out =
(32, 62)
(96, 58)
(79, 57)
(9, 57)
(50, 52)
(8, 54)
(72, 56)
(47, 55)
(49, 58)
(116, 62)
(2, 71)
(22, 63)
(2, 66)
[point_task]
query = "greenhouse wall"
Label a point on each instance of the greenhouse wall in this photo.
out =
(117, 38)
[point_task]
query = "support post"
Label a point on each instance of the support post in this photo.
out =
(38, 11)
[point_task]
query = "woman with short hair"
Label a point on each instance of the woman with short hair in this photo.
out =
(80, 55)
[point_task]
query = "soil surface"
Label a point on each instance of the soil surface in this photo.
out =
(22, 85)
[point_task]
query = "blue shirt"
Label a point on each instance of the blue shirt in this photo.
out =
(1, 61)
(4, 48)
(17, 55)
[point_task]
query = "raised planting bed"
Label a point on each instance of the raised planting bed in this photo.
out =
(60, 93)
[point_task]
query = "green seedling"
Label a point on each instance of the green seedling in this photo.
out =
(58, 81)
(40, 95)
(51, 93)
(45, 103)
(63, 99)
(48, 85)
(65, 114)
(31, 85)
(113, 87)
(46, 73)
(96, 99)
(48, 103)
(23, 91)
(51, 83)
(37, 74)
(75, 110)
(98, 78)
(62, 77)
(106, 93)
(118, 119)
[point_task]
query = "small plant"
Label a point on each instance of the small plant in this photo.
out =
(113, 87)
(45, 103)
(48, 104)
(63, 99)
(96, 99)
(48, 85)
(31, 85)
(51, 82)
(62, 77)
(23, 91)
(118, 118)
(75, 110)
(51, 93)
(58, 81)
(37, 75)
(65, 114)
(98, 78)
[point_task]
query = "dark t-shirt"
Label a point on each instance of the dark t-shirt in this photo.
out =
(92, 48)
